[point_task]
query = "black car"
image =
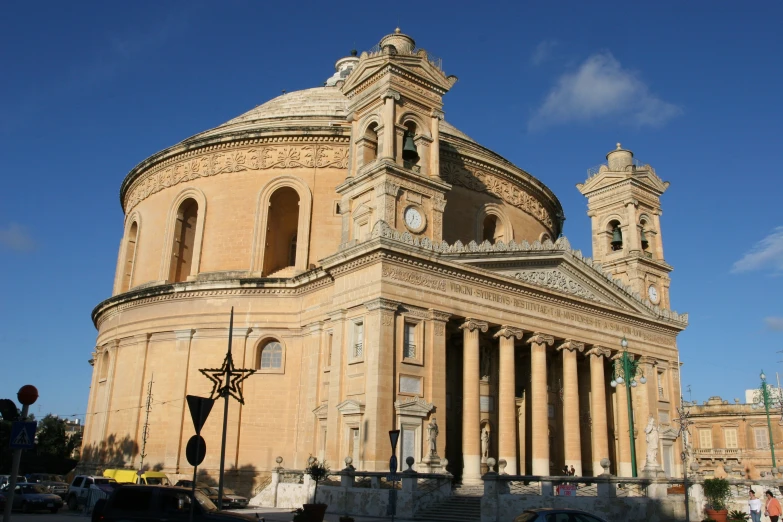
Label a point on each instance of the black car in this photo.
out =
(34, 497)
(53, 483)
(143, 503)
(557, 515)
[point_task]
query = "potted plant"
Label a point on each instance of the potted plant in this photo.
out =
(738, 516)
(717, 492)
(317, 471)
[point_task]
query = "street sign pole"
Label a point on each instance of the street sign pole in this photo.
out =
(394, 436)
(27, 395)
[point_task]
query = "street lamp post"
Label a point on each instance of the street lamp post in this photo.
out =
(763, 398)
(625, 371)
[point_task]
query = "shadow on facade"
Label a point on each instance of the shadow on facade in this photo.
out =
(243, 480)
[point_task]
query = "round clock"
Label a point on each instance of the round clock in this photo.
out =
(652, 292)
(414, 219)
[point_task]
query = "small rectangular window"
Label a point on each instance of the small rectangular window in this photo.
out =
(762, 438)
(730, 434)
(661, 387)
(329, 339)
(705, 439)
(409, 341)
(358, 339)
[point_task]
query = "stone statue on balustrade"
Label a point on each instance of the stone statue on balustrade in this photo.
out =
(484, 443)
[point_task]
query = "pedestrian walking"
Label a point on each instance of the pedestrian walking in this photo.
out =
(772, 507)
(754, 503)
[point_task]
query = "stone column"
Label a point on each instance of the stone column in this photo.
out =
(435, 149)
(633, 231)
(438, 206)
(623, 428)
(600, 428)
(385, 203)
(539, 417)
(507, 411)
(471, 417)
(379, 361)
(571, 430)
(339, 344)
(389, 134)
(436, 340)
(177, 410)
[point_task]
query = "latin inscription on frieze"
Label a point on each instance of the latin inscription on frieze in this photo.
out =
(482, 295)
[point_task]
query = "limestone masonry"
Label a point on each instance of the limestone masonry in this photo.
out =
(386, 272)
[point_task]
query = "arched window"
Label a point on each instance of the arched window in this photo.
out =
(410, 153)
(370, 144)
(282, 225)
(184, 241)
(644, 236)
(490, 229)
(130, 257)
(615, 235)
(270, 356)
(492, 225)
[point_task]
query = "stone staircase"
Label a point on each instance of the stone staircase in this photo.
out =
(463, 506)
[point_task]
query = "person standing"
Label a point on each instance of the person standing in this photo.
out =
(754, 503)
(772, 507)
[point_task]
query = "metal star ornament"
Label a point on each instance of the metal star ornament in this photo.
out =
(226, 379)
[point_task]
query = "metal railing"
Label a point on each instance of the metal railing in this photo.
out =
(434, 60)
(638, 165)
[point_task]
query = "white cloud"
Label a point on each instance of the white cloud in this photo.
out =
(15, 237)
(601, 88)
(767, 253)
(774, 323)
(543, 52)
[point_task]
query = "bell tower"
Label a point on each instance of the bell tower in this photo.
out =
(395, 96)
(623, 202)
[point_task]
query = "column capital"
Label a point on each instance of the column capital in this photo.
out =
(631, 201)
(540, 338)
(184, 335)
(619, 355)
(382, 304)
(337, 315)
(571, 345)
(391, 93)
(437, 315)
(437, 114)
(314, 327)
(386, 188)
(599, 351)
(509, 331)
(471, 324)
(439, 203)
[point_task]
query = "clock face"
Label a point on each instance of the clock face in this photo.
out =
(413, 218)
(653, 293)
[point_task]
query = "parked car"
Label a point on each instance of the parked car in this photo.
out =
(79, 490)
(131, 476)
(34, 497)
(53, 483)
(2, 502)
(189, 484)
(230, 499)
(145, 503)
(5, 479)
(557, 515)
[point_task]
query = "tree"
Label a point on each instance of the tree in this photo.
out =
(51, 438)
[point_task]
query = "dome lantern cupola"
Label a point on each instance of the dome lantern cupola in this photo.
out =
(402, 43)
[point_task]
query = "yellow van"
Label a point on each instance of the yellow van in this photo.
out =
(131, 476)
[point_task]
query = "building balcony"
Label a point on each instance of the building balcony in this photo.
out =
(722, 454)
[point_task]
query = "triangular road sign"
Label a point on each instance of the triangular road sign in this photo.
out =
(199, 410)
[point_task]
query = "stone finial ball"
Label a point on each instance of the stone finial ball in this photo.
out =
(348, 461)
(605, 463)
(491, 462)
(279, 460)
(409, 461)
(27, 394)
(694, 466)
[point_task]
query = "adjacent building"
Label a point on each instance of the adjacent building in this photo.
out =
(387, 272)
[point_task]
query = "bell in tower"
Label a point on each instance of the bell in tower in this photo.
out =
(409, 152)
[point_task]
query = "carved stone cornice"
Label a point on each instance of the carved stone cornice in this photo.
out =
(471, 324)
(572, 345)
(540, 338)
(509, 331)
(415, 407)
(437, 315)
(383, 304)
(390, 93)
(387, 188)
(599, 351)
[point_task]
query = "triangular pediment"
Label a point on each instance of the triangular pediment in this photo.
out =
(322, 411)
(350, 407)
(605, 178)
(414, 67)
(415, 407)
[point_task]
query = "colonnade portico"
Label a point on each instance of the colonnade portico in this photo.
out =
(511, 433)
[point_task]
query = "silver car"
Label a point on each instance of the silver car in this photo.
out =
(557, 515)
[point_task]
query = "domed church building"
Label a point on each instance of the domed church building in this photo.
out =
(386, 272)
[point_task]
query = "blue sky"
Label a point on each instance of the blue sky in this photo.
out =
(90, 89)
